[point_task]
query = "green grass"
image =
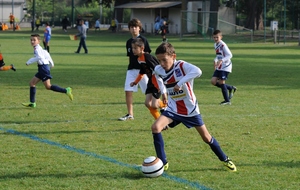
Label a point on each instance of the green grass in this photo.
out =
(80, 145)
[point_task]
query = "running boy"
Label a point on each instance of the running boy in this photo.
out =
(148, 63)
(133, 69)
(47, 37)
(178, 77)
(44, 62)
(3, 67)
(223, 67)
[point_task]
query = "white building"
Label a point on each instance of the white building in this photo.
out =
(7, 7)
(197, 16)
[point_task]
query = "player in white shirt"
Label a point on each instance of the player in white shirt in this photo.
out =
(223, 66)
(178, 77)
(44, 62)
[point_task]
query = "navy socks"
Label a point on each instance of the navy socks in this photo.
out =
(214, 145)
(159, 147)
(58, 89)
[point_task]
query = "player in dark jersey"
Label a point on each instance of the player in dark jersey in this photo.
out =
(164, 29)
(133, 69)
(147, 63)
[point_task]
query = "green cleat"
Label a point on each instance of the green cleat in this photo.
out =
(166, 166)
(69, 93)
(229, 165)
(30, 104)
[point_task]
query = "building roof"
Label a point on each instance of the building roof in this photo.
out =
(149, 5)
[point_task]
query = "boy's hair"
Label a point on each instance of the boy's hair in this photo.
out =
(165, 47)
(47, 24)
(216, 32)
(135, 22)
(36, 35)
(139, 42)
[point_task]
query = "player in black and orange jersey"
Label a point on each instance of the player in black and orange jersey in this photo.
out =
(3, 67)
(147, 64)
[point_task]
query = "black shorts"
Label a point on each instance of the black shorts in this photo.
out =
(153, 91)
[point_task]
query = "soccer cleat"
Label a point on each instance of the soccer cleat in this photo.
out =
(69, 93)
(126, 117)
(225, 103)
(13, 67)
(229, 165)
(232, 91)
(30, 104)
(166, 166)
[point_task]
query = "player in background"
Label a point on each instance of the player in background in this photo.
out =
(3, 67)
(223, 66)
(133, 68)
(82, 34)
(153, 93)
(44, 62)
(47, 37)
(164, 29)
(11, 20)
(178, 77)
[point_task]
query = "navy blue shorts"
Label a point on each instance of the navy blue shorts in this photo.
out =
(223, 75)
(189, 122)
(43, 73)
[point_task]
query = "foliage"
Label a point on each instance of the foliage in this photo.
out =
(80, 145)
(58, 10)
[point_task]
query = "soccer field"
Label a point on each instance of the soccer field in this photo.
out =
(80, 144)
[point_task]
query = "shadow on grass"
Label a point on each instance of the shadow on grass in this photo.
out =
(22, 175)
(291, 164)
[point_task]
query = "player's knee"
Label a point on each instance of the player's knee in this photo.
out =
(147, 104)
(155, 128)
(213, 82)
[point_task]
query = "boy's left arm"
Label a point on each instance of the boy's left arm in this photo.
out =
(227, 55)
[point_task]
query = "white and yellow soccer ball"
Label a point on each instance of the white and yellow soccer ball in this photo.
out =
(152, 167)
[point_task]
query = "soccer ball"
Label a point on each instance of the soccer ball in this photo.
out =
(152, 167)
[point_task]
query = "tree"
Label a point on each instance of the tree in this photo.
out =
(213, 18)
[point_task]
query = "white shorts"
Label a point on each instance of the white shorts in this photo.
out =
(131, 76)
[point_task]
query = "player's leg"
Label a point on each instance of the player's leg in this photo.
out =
(79, 46)
(57, 88)
(47, 47)
(6, 68)
(158, 141)
(84, 45)
(130, 76)
(231, 89)
(150, 104)
(129, 102)
(44, 43)
(224, 90)
(215, 147)
(214, 81)
(32, 92)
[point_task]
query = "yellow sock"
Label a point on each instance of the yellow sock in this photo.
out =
(154, 112)
(5, 68)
